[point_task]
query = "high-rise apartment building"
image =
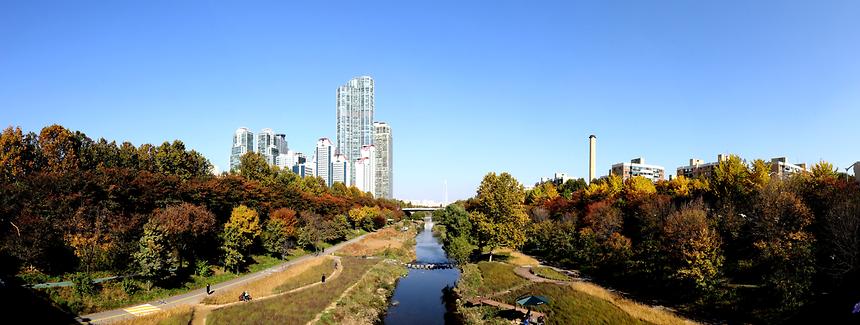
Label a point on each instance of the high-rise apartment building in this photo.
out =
(355, 105)
(384, 145)
(340, 170)
(637, 167)
(365, 169)
(243, 142)
(323, 156)
(266, 145)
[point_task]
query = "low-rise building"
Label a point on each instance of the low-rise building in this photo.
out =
(638, 167)
(558, 178)
(698, 168)
(781, 168)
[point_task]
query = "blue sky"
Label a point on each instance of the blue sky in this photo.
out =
(468, 87)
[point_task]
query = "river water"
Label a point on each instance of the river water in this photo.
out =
(418, 297)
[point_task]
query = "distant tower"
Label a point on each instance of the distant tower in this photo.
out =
(243, 142)
(592, 157)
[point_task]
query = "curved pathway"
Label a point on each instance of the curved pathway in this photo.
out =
(194, 297)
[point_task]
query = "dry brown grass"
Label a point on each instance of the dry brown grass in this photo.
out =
(644, 312)
(264, 286)
(378, 242)
(178, 315)
(516, 258)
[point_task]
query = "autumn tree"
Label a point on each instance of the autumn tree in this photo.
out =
(784, 247)
(60, 148)
(188, 227)
(541, 193)
(500, 219)
(238, 236)
(693, 249)
(18, 154)
(279, 233)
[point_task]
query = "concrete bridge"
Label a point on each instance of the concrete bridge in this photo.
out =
(410, 211)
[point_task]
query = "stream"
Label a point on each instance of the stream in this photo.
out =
(418, 297)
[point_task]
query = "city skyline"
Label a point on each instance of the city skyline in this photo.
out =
(688, 81)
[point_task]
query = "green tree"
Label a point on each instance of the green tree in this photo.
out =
(571, 186)
(238, 236)
(154, 256)
(253, 166)
(459, 249)
(500, 220)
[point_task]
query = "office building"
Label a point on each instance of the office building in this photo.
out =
(266, 145)
(699, 169)
(637, 167)
(323, 156)
(340, 170)
(355, 105)
(384, 144)
(365, 168)
(781, 168)
(243, 142)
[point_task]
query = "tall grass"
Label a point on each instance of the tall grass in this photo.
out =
(570, 306)
(297, 307)
(292, 277)
(368, 300)
(549, 273)
(641, 311)
(497, 277)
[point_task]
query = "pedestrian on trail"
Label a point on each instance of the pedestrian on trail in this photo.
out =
(323, 278)
(208, 292)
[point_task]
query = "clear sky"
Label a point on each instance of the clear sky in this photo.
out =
(468, 87)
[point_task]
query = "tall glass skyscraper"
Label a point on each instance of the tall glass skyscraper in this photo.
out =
(243, 142)
(266, 145)
(383, 141)
(355, 105)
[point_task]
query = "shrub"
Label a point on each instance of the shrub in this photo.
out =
(83, 284)
(202, 268)
(129, 286)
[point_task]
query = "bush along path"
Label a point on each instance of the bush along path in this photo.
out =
(194, 297)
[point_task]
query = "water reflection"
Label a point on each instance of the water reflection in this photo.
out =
(420, 295)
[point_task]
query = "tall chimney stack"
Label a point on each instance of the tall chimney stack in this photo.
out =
(592, 157)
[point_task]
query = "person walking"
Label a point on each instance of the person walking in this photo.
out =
(323, 278)
(208, 292)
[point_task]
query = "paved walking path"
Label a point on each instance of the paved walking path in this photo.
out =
(526, 273)
(194, 297)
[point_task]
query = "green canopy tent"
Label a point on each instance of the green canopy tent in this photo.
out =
(528, 301)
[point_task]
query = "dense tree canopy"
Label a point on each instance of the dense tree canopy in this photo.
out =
(740, 243)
